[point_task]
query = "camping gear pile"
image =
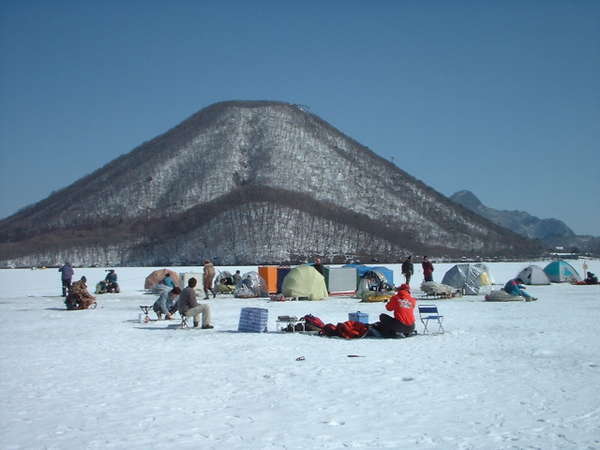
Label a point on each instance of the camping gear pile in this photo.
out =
(224, 283)
(439, 290)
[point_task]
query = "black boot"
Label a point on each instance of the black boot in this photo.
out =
(196, 324)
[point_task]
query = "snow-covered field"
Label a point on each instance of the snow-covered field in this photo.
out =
(504, 375)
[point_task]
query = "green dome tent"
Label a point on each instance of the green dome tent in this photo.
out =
(304, 281)
(561, 271)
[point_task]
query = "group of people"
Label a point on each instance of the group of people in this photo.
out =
(76, 293)
(184, 301)
(408, 269)
(109, 284)
(174, 299)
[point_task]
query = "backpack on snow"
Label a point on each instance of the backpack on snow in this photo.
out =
(312, 323)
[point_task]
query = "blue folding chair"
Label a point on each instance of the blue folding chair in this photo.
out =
(430, 312)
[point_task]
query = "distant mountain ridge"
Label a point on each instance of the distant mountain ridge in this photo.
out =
(518, 221)
(247, 182)
(551, 232)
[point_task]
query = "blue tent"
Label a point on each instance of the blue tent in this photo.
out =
(387, 273)
(361, 269)
(561, 271)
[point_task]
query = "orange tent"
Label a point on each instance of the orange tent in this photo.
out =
(157, 276)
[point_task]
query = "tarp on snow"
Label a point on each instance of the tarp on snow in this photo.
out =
(472, 279)
(561, 271)
(533, 275)
(304, 281)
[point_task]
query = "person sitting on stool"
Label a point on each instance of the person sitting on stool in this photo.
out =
(189, 306)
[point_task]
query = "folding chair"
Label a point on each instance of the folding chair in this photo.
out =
(430, 312)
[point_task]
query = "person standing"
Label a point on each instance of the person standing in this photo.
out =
(168, 281)
(318, 266)
(408, 269)
(189, 306)
(237, 278)
(208, 277)
(427, 269)
(66, 277)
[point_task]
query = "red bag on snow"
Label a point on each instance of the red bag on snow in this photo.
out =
(352, 330)
(313, 323)
(330, 330)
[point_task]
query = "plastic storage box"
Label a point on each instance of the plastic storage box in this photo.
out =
(358, 317)
(253, 320)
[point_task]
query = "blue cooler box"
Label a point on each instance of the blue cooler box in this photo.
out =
(253, 320)
(358, 317)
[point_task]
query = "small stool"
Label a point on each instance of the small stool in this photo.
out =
(184, 323)
(145, 309)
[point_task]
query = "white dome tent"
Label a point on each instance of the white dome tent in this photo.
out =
(533, 275)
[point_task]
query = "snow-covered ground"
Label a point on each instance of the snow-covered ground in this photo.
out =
(504, 375)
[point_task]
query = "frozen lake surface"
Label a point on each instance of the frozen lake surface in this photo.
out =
(504, 375)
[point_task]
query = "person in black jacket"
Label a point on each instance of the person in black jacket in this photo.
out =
(318, 266)
(408, 269)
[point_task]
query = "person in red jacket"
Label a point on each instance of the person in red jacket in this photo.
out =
(427, 269)
(403, 305)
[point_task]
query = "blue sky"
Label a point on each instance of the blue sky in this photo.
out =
(498, 97)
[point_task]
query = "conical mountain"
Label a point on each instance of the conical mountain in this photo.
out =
(248, 182)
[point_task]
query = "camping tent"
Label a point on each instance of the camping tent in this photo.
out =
(473, 279)
(304, 281)
(157, 276)
(361, 270)
(252, 285)
(373, 281)
(533, 275)
(561, 271)
(387, 273)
